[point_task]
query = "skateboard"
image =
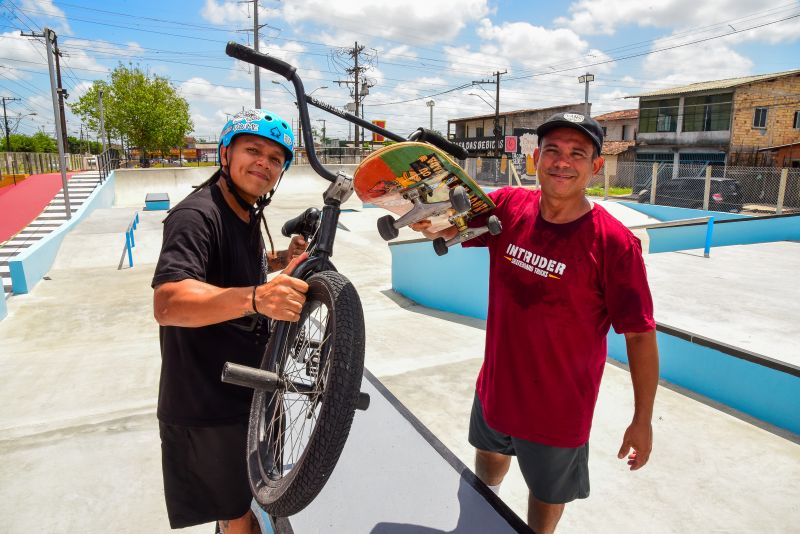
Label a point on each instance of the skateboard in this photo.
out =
(417, 181)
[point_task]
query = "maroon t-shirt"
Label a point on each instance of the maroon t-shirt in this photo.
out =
(554, 292)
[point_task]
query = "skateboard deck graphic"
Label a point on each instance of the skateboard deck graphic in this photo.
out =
(389, 177)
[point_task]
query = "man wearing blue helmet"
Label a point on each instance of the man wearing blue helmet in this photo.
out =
(212, 301)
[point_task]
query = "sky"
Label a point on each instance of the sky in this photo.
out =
(415, 51)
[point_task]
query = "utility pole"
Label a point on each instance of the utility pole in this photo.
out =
(62, 93)
(5, 120)
(102, 120)
(49, 36)
(323, 130)
(356, 71)
(8, 141)
(585, 79)
(257, 75)
(256, 70)
(496, 130)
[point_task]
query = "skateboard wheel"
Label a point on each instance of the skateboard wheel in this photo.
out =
(386, 228)
(494, 225)
(440, 246)
(459, 199)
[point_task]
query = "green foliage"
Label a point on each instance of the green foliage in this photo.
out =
(38, 142)
(76, 146)
(146, 110)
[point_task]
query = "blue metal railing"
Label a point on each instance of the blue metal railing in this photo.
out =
(130, 242)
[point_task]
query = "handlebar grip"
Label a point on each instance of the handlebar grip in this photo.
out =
(248, 55)
(437, 140)
(304, 224)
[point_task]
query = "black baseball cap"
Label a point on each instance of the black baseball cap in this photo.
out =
(576, 121)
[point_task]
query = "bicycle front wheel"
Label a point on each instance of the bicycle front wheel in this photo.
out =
(297, 433)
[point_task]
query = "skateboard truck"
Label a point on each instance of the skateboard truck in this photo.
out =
(465, 233)
(389, 228)
(459, 202)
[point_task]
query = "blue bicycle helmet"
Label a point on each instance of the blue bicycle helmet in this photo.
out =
(260, 122)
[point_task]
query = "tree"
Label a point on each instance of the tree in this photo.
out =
(38, 142)
(145, 110)
(80, 146)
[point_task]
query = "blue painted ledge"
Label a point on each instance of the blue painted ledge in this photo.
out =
(3, 305)
(31, 265)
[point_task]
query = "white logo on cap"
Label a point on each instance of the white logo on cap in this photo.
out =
(574, 117)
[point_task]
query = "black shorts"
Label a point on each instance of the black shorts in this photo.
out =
(554, 475)
(205, 473)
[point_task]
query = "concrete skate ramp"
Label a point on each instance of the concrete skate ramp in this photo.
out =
(132, 185)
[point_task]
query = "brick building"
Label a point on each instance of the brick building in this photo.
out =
(753, 120)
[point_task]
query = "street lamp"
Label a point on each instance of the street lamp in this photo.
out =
(479, 96)
(317, 89)
(430, 103)
(585, 79)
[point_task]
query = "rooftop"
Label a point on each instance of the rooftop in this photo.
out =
(518, 112)
(623, 114)
(728, 83)
(612, 148)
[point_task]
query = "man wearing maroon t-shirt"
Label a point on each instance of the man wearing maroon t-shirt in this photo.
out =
(562, 272)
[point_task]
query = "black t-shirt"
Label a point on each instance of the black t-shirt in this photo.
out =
(204, 240)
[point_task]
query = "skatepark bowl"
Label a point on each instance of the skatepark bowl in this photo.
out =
(79, 351)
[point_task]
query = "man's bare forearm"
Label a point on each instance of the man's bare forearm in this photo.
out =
(192, 303)
(643, 363)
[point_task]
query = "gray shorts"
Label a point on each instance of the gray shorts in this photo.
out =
(554, 475)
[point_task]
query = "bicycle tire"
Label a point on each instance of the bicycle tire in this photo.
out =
(339, 346)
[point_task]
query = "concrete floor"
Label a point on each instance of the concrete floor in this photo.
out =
(80, 358)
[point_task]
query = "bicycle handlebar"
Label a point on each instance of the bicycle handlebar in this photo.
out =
(248, 55)
(429, 136)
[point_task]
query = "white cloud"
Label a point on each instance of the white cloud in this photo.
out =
(44, 9)
(21, 52)
(235, 12)
(399, 53)
(684, 65)
(536, 47)
(589, 17)
(411, 20)
(83, 54)
(476, 64)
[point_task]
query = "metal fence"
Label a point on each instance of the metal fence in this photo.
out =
(36, 162)
(719, 188)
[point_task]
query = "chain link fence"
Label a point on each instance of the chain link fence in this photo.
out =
(718, 188)
(37, 162)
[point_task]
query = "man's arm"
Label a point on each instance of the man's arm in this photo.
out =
(192, 303)
(643, 363)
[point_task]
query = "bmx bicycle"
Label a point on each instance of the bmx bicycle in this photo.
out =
(307, 387)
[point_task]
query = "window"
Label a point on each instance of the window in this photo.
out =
(708, 113)
(479, 131)
(760, 118)
(626, 131)
(658, 116)
(797, 120)
(605, 131)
